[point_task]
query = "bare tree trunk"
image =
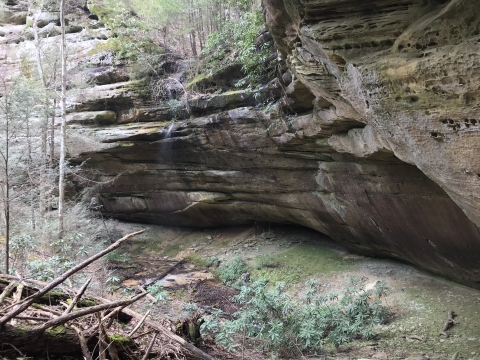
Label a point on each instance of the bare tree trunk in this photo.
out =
(7, 220)
(52, 133)
(63, 106)
(7, 197)
(45, 105)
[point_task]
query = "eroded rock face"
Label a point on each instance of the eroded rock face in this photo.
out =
(408, 69)
(377, 150)
(242, 166)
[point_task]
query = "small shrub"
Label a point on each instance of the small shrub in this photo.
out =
(48, 269)
(115, 255)
(285, 324)
(231, 272)
(158, 292)
(196, 260)
(266, 261)
(213, 261)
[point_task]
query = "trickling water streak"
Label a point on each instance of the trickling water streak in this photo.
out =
(169, 131)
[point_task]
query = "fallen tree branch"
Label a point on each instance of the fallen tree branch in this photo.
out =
(24, 305)
(449, 323)
(90, 310)
(144, 291)
(14, 348)
(414, 337)
(139, 324)
(77, 297)
(34, 282)
(102, 345)
(150, 346)
(46, 309)
(17, 296)
(31, 318)
(175, 338)
(109, 316)
(196, 352)
(169, 270)
(83, 343)
(7, 291)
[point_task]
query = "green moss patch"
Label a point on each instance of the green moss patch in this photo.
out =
(300, 263)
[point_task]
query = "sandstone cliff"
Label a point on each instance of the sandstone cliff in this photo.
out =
(377, 149)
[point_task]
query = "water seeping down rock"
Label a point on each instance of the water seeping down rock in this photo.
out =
(378, 150)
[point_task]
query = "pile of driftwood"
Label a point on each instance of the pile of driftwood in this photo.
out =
(40, 319)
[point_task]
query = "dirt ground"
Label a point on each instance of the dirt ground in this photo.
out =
(420, 301)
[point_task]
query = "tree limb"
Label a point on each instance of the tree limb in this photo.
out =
(7, 291)
(90, 310)
(139, 324)
(64, 276)
(77, 297)
(83, 343)
(150, 346)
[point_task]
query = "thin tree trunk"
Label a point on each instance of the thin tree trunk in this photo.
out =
(52, 133)
(63, 106)
(7, 198)
(45, 105)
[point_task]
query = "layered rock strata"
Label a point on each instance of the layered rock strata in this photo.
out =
(372, 139)
(242, 166)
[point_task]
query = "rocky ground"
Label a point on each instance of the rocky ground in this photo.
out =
(420, 302)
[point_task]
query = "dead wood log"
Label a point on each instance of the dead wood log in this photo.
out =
(110, 316)
(196, 352)
(7, 291)
(29, 301)
(59, 341)
(31, 318)
(83, 343)
(87, 311)
(34, 282)
(77, 297)
(449, 323)
(46, 309)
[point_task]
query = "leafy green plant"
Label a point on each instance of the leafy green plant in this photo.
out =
(266, 261)
(50, 268)
(239, 36)
(213, 261)
(115, 255)
(231, 272)
(158, 292)
(112, 283)
(20, 246)
(197, 260)
(286, 324)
